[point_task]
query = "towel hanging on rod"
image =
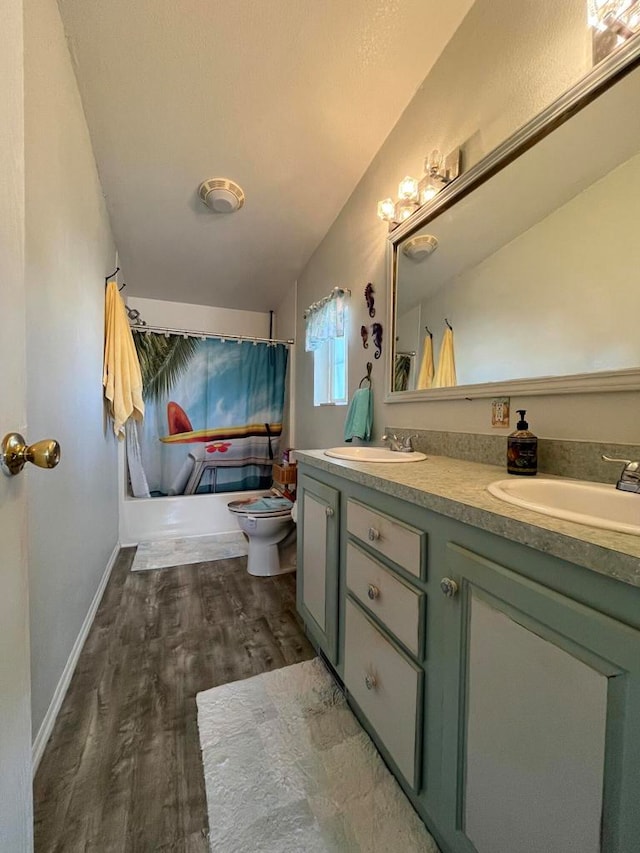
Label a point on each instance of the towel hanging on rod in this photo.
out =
(425, 374)
(445, 375)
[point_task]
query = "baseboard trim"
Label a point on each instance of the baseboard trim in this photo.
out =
(48, 723)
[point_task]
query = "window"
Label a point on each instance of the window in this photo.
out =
(325, 337)
(330, 373)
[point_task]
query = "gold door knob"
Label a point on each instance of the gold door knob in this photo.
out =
(370, 682)
(15, 453)
(373, 592)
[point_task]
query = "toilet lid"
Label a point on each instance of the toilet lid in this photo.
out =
(264, 507)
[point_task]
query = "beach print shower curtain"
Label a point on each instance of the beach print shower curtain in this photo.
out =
(213, 415)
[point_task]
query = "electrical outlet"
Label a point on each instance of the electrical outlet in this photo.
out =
(500, 412)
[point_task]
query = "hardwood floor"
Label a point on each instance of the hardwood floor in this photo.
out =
(122, 770)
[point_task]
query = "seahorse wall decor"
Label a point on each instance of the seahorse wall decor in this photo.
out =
(364, 334)
(376, 332)
(368, 295)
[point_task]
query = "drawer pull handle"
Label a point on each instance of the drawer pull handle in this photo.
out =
(373, 534)
(329, 512)
(370, 682)
(449, 587)
(373, 592)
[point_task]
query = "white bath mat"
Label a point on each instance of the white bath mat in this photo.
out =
(164, 553)
(288, 768)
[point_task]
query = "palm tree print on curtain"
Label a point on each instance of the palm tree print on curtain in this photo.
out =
(213, 413)
(401, 372)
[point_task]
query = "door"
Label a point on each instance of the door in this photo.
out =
(541, 707)
(15, 700)
(318, 563)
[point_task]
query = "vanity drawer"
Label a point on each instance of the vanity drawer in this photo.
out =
(403, 544)
(394, 602)
(387, 688)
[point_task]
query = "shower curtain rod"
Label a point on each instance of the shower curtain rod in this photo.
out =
(194, 334)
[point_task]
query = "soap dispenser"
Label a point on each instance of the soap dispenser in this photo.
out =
(522, 449)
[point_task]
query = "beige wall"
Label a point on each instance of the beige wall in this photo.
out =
(504, 64)
(73, 511)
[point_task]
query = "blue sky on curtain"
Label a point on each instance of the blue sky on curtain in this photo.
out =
(213, 413)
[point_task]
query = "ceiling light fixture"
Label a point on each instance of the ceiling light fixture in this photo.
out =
(221, 195)
(420, 247)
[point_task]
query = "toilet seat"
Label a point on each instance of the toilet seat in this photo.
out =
(244, 507)
(267, 523)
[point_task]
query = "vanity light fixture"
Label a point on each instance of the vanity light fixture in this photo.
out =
(438, 172)
(404, 209)
(408, 189)
(612, 22)
(412, 194)
(621, 17)
(387, 209)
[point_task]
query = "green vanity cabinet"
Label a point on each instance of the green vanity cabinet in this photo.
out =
(541, 744)
(512, 675)
(318, 562)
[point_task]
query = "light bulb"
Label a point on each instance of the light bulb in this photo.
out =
(386, 209)
(408, 189)
(433, 163)
(428, 188)
(427, 193)
(404, 209)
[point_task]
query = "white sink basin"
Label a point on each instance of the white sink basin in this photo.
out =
(596, 504)
(373, 454)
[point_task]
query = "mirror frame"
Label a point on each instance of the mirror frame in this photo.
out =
(591, 86)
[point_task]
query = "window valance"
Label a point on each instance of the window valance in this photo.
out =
(325, 320)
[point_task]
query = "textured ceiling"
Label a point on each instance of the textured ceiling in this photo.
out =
(290, 98)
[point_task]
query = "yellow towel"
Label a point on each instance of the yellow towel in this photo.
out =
(446, 373)
(121, 378)
(425, 376)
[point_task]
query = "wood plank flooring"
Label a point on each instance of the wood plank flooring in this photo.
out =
(122, 771)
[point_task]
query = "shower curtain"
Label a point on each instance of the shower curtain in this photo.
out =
(401, 372)
(213, 414)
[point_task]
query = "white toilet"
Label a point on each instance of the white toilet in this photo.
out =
(268, 531)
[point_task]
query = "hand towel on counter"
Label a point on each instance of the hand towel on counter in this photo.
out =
(122, 378)
(359, 421)
(446, 373)
(425, 376)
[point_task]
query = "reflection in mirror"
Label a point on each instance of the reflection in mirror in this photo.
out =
(537, 269)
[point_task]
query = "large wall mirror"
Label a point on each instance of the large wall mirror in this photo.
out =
(537, 263)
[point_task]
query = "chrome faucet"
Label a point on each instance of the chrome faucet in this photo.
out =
(401, 444)
(630, 477)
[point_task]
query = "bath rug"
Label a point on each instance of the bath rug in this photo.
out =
(164, 553)
(288, 768)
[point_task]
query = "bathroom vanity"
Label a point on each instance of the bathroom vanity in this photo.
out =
(492, 653)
